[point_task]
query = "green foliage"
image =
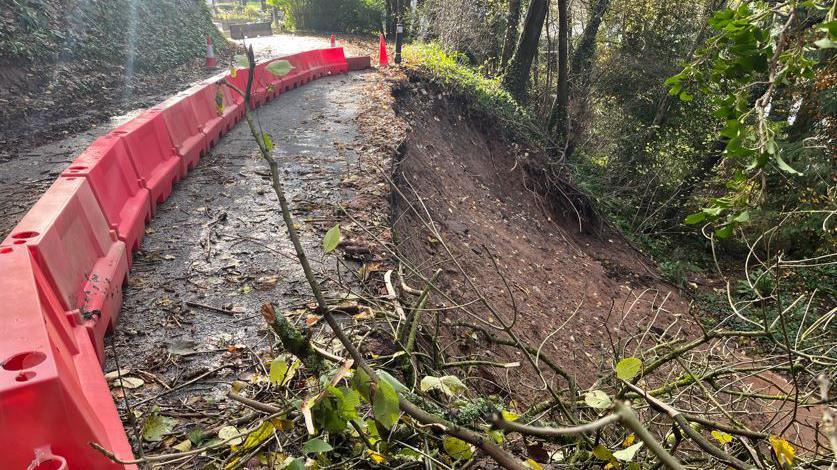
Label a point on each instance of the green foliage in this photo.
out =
(758, 51)
(628, 368)
(385, 404)
(331, 239)
(450, 385)
(350, 16)
(279, 68)
(151, 35)
(156, 426)
(457, 448)
(677, 271)
(486, 95)
(316, 446)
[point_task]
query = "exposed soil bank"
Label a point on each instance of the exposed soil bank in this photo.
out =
(459, 178)
(464, 203)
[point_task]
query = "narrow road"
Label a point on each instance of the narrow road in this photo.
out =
(218, 249)
(26, 174)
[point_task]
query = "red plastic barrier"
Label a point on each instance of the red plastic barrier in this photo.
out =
(240, 81)
(69, 239)
(233, 107)
(126, 205)
(54, 400)
(334, 59)
(184, 129)
(205, 104)
(152, 153)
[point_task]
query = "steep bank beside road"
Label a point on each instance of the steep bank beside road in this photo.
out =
(66, 65)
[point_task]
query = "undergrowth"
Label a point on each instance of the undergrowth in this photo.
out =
(485, 96)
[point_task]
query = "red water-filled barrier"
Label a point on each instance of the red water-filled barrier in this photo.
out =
(54, 399)
(65, 263)
(70, 241)
(152, 154)
(189, 141)
(126, 204)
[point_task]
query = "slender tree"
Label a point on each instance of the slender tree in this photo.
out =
(583, 58)
(512, 25)
(516, 80)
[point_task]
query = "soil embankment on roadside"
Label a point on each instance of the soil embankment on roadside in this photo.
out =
(563, 288)
(66, 65)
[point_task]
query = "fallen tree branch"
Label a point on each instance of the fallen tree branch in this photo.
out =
(681, 421)
(483, 442)
(623, 414)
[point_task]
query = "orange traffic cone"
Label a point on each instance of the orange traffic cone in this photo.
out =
(211, 62)
(383, 59)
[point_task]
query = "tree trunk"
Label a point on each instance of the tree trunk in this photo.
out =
(516, 80)
(563, 99)
(512, 25)
(582, 68)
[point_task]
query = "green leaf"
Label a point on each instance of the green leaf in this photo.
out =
(257, 437)
(228, 433)
(450, 385)
(457, 448)
(157, 426)
(825, 43)
(628, 368)
(361, 381)
(597, 399)
(331, 239)
(722, 437)
(784, 166)
(695, 218)
(830, 27)
(295, 464)
(278, 371)
(685, 97)
(724, 232)
(268, 142)
(279, 68)
(398, 386)
(316, 446)
(602, 453)
(196, 436)
(509, 416)
(743, 217)
(349, 403)
(241, 61)
(385, 404)
(627, 454)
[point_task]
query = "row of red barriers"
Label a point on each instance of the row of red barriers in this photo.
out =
(64, 266)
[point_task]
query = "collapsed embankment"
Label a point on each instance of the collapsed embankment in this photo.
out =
(68, 64)
(528, 278)
(569, 292)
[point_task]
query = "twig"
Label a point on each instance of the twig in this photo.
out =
(210, 307)
(681, 421)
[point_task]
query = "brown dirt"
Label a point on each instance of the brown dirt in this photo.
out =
(578, 294)
(475, 188)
